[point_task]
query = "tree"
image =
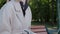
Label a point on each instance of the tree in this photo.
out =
(44, 9)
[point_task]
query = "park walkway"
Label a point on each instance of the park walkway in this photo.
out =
(39, 29)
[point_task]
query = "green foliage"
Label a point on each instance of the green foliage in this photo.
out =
(43, 9)
(2, 2)
(46, 10)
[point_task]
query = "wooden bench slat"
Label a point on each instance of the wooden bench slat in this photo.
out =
(42, 33)
(39, 30)
(36, 27)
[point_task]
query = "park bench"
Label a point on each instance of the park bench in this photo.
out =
(39, 29)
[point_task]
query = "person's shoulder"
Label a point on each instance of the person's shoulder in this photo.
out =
(29, 7)
(7, 5)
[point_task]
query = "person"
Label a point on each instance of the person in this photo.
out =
(15, 18)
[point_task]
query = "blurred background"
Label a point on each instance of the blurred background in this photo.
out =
(44, 12)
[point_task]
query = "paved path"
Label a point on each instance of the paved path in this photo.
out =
(39, 29)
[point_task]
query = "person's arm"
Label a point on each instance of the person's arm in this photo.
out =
(5, 27)
(28, 18)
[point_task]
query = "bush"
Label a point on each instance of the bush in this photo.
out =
(2, 2)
